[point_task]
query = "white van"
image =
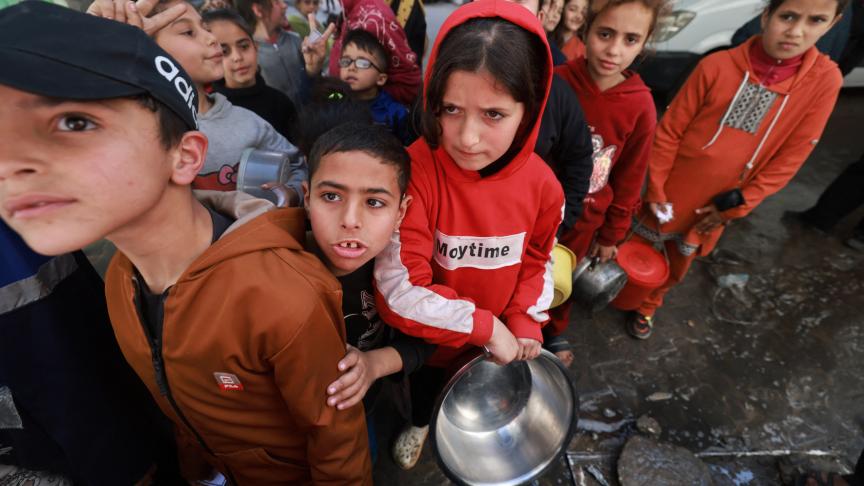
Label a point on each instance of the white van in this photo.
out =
(697, 28)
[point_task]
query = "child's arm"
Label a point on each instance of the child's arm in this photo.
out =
(627, 177)
(775, 173)
(674, 123)
(533, 295)
(337, 446)
(573, 152)
(360, 369)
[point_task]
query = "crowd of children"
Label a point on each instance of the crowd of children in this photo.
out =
(263, 346)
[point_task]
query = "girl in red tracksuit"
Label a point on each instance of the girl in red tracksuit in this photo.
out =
(620, 112)
(471, 263)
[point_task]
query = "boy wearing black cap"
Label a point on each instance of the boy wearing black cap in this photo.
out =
(235, 331)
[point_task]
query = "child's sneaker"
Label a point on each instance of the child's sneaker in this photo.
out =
(409, 445)
(639, 326)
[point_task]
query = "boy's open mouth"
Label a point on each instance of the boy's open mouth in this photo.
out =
(349, 249)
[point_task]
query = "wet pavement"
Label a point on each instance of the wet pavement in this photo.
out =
(752, 380)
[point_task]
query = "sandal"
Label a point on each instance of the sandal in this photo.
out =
(409, 445)
(639, 326)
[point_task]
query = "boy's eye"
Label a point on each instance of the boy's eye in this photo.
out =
(188, 33)
(225, 50)
(632, 39)
(330, 196)
(74, 123)
(375, 203)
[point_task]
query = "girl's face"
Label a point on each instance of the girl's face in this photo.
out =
(240, 55)
(574, 15)
(552, 14)
(614, 40)
(273, 20)
(193, 46)
(479, 119)
(305, 7)
(796, 25)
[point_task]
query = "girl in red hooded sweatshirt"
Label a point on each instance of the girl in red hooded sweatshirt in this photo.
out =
(620, 112)
(471, 263)
(738, 131)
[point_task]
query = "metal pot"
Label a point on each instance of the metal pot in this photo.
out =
(503, 425)
(596, 284)
(259, 167)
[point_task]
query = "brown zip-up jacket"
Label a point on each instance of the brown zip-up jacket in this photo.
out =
(252, 334)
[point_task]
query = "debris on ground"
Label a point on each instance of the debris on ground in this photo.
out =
(647, 462)
(649, 427)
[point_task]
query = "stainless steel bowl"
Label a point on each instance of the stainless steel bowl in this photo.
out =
(596, 284)
(503, 425)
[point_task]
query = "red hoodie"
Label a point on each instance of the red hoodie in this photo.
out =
(622, 121)
(471, 248)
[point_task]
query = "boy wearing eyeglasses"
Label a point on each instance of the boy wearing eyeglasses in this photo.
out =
(363, 66)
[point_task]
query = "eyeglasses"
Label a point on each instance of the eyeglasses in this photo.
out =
(360, 62)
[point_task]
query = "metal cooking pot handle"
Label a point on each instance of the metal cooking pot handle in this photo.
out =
(486, 352)
(594, 261)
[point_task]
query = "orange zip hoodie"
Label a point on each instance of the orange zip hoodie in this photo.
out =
(251, 337)
(722, 131)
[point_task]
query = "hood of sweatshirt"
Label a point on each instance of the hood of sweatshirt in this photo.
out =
(258, 226)
(576, 74)
(220, 107)
(810, 66)
(520, 16)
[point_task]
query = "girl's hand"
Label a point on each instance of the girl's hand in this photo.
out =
(605, 253)
(315, 50)
(662, 211)
(135, 13)
(358, 376)
(710, 221)
(502, 345)
(528, 349)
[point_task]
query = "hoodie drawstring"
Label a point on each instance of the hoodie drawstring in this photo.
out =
(764, 137)
(729, 110)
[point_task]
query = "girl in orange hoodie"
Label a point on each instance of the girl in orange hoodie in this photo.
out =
(737, 132)
(620, 112)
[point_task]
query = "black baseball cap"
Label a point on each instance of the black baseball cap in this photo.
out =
(54, 51)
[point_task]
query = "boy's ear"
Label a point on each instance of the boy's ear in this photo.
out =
(305, 186)
(403, 209)
(257, 10)
(382, 79)
(188, 158)
(763, 20)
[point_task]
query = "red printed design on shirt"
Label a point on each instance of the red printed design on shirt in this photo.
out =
(603, 157)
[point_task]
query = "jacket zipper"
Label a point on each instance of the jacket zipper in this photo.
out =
(155, 343)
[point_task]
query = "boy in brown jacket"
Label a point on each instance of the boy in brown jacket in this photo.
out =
(233, 328)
